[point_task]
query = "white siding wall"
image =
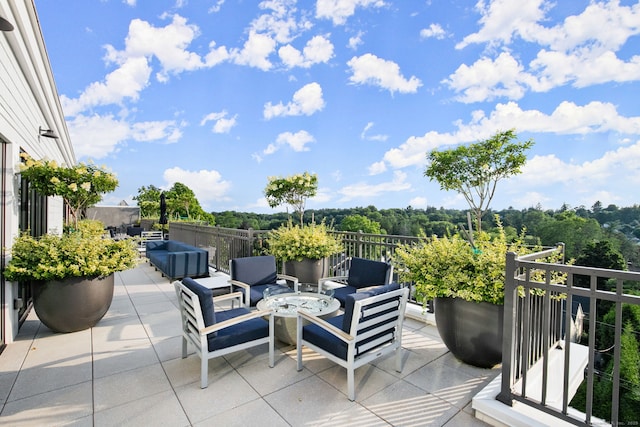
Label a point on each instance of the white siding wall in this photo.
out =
(28, 100)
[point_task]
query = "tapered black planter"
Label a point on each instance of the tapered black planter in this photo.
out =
(472, 331)
(72, 304)
(307, 270)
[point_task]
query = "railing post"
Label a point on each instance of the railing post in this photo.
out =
(217, 247)
(251, 238)
(508, 330)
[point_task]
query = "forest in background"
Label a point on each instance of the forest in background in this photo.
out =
(576, 227)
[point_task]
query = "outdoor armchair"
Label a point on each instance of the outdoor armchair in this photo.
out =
(252, 275)
(370, 328)
(216, 333)
(363, 273)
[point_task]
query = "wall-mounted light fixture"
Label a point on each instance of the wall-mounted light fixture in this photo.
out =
(47, 133)
(5, 25)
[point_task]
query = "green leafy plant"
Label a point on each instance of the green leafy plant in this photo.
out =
(451, 267)
(474, 171)
(295, 243)
(80, 186)
(293, 190)
(81, 253)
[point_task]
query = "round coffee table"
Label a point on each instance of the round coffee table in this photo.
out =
(285, 308)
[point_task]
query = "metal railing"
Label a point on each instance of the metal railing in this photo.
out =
(540, 318)
(225, 244)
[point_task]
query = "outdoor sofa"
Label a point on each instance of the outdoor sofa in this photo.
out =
(177, 260)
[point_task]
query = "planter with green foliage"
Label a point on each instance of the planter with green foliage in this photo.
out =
(303, 250)
(467, 285)
(71, 274)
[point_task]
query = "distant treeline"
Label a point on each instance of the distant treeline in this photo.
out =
(576, 227)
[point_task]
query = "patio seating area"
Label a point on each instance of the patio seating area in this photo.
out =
(128, 370)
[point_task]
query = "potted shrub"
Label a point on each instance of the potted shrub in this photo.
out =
(467, 285)
(303, 248)
(71, 274)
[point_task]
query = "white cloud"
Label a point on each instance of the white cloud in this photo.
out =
(144, 41)
(355, 41)
(585, 29)
(168, 44)
(222, 123)
(339, 10)
(306, 101)
(296, 141)
(369, 69)
(418, 202)
(125, 82)
(434, 31)
(377, 168)
(582, 68)
(587, 181)
(318, 50)
(576, 51)
(99, 136)
(364, 134)
(488, 79)
(255, 52)
(215, 8)
(363, 189)
(567, 118)
(502, 18)
(216, 55)
(280, 23)
(207, 185)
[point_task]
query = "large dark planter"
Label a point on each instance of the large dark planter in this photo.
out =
(472, 331)
(72, 304)
(307, 270)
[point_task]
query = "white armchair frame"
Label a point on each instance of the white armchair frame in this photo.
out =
(380, 347)
(194, 331)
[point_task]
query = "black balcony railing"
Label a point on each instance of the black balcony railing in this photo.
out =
(544, 335)
(542, 331)
(227, 243)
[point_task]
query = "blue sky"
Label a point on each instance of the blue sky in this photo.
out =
(222, 94)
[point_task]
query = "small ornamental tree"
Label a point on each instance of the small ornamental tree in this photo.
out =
(81, 185)
(474, 170)
(293, 190)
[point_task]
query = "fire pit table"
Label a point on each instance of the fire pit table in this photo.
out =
(285, 308)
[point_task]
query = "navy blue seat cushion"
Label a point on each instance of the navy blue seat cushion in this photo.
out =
(365, 272)
(255, 270)
(237, 334)
(246, 331)
(323, 339)
(205, 296)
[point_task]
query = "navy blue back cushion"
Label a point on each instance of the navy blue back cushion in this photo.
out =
(340, 293)
(352, 298)
(365, 272)
(255, 270)
(205, 296)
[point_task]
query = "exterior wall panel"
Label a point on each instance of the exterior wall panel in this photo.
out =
(28, 101)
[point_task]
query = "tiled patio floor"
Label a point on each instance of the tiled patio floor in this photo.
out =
(128, 371)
